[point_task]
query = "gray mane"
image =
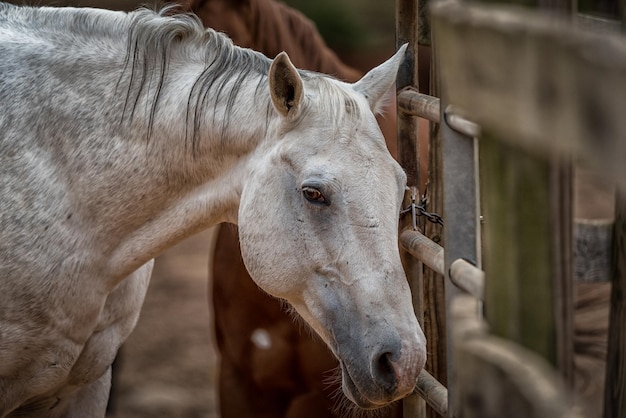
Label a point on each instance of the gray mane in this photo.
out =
(150, 42)
(154, 35)
(152, 38)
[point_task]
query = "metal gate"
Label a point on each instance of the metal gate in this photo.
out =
(544, 93)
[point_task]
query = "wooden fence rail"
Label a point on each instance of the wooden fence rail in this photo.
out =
(542, 92)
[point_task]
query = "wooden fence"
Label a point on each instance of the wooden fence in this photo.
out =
(542, 93)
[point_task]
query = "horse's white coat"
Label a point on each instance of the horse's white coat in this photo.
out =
(115, 144)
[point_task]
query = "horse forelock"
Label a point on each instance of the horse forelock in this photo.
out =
(334, 104)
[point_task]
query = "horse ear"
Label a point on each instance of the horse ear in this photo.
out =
(285, 85)
(377, 82)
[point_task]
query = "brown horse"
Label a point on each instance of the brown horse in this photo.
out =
(271, 366)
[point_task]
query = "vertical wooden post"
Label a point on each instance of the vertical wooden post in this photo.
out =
(408, 157)
(562, 221)
(434, 285)
(527, 209)
(528, 222)
(615, 386)
(406, 32)
(433, 282)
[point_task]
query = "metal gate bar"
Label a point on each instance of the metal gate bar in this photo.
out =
(412, 102)
(463, 274)
(424, 249)
(462, 216)
(468, 277)
(433, 392)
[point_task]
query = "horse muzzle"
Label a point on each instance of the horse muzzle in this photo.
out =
(389, 375)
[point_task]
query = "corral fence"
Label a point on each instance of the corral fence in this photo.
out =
(524, 94)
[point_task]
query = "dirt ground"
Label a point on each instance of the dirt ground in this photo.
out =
(167, 366)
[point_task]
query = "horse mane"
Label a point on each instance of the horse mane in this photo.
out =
(154, 36)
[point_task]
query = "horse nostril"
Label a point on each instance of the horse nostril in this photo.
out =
(384, 373)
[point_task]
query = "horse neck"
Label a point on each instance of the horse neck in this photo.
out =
(197, 167)
(137, 173)
(182, 170)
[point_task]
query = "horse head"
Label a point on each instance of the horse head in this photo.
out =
(318, 225)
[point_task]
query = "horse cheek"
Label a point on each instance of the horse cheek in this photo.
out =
(267, 241)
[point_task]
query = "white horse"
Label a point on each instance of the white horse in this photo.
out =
(122, 134)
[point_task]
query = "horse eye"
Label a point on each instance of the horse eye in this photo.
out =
(313, 195)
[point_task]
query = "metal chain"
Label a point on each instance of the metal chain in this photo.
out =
(419, 209)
